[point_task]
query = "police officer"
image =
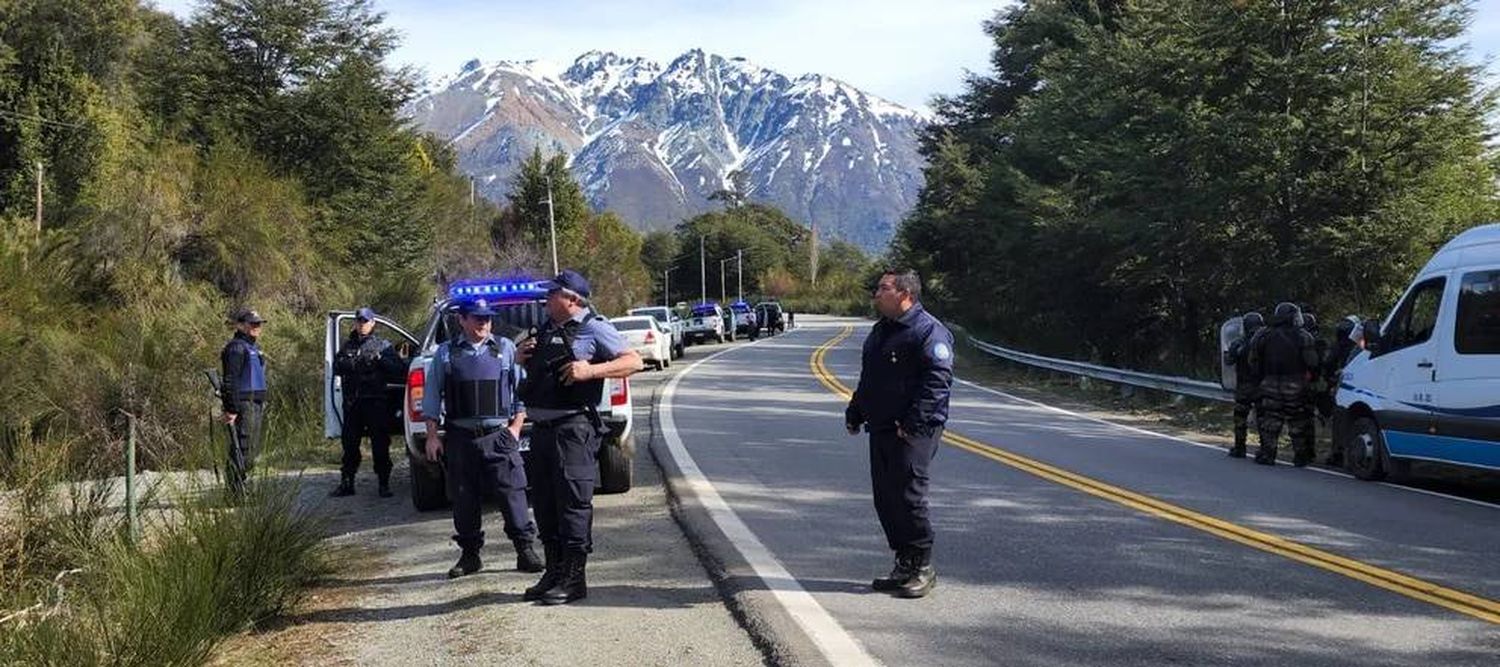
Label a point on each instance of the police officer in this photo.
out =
(1345, 346)
(567, 362)
(1285, 359)
(906, 373)
(1246, 384)
(366, 363)
(244, 397)
(473, 380)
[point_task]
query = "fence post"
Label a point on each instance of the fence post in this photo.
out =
(130, 508)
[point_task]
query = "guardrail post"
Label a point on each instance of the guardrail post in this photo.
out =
(130, 508)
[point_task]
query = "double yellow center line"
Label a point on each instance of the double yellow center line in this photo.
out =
(1459, 601)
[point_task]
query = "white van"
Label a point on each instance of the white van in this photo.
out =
(1427, 388)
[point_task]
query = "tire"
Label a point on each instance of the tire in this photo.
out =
(1365, 455)
(680, 350)
(616, 465)
(429, 491)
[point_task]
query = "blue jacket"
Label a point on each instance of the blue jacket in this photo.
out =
(906, 375)
(244, 372)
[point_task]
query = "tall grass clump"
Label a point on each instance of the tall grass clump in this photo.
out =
(79, 590)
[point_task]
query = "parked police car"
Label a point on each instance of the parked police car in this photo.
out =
(1427, 386)
(707, 322)
(520, 304)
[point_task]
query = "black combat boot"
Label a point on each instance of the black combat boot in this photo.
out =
(344, 489)
(1238, 450)
(1266, 455)
(385, 487)
(572, 583)
(551, 570)
(900, 571)
(526, 558)
(468, 563)
(923, 576)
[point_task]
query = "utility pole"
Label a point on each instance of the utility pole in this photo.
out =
(552, 226)
(739, 272)
(813, 256)
(702, 273)
(723, 294)
(666, 286)
(38, 197)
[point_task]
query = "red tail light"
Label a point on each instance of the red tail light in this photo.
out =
(416, 386)
(650, 337)
(619, 392)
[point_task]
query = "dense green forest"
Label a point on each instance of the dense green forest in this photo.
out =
(1130, 173)
(254, 155)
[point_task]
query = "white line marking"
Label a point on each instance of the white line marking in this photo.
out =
(1217, 448)
(836, 644)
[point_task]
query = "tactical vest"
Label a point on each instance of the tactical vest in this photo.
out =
(252, 377)
(478, 385)
(543, 387)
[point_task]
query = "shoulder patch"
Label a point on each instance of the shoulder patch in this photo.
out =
(942, 352)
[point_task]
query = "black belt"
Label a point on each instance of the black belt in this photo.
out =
(558, 420)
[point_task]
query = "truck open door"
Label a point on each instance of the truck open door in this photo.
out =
(334, 332)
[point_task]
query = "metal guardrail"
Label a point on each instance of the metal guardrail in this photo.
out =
(1176, 385)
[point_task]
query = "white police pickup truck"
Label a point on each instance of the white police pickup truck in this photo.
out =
(520, 307)
(1427, 386)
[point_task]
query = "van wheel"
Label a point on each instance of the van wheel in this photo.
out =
(1365, 455)
(429, 491)
(616, 469)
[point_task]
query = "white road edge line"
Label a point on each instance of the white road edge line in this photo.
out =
(836, 644)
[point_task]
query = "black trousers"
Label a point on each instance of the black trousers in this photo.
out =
(564, 467)
(898, 476)
(371, 419)
(475, 471)
(244, 437)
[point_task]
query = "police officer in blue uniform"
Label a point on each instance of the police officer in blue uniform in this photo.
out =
(906, 374)
(567, 362)
(474, 379)
(367, 363)
(243, 393)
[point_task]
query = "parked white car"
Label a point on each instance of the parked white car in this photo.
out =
(648, 337)
(671, 321)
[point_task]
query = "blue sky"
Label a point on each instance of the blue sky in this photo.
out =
(903, 50)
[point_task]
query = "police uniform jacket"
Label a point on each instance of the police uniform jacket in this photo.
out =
(906, 375)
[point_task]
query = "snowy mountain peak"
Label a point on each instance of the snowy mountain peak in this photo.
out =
(652, 142)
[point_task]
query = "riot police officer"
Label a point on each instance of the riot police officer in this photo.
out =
(366, 363)
(473, 380)
(906, 374)
(1284, 357)
(243, 393)
(567, 362)
(1345, 346)
(1246, 384)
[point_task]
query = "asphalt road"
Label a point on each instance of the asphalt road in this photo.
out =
(1066, 540)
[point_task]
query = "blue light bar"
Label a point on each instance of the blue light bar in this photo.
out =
(517, 288)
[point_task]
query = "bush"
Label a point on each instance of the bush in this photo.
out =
(83, 593)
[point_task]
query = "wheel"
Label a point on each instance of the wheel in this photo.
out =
(616, 471)
(666, 363)
(1365, 455)
(429, 491)
(680, 350)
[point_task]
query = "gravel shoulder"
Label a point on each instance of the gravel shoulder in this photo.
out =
(650, 601)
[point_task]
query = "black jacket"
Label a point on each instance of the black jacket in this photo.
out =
(906, 375)
(367, 364)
